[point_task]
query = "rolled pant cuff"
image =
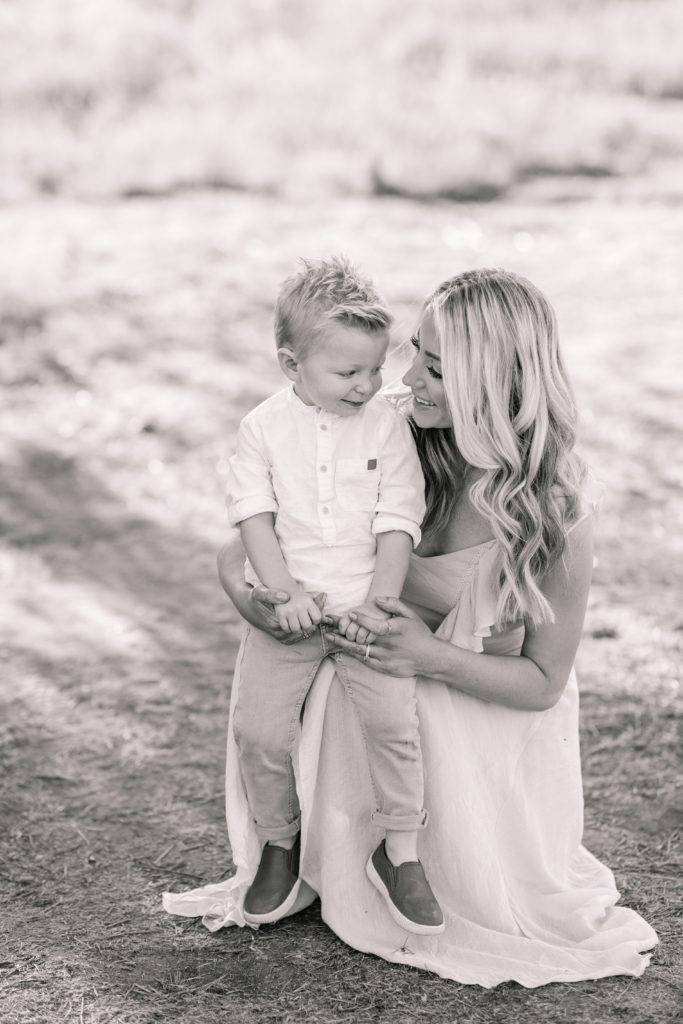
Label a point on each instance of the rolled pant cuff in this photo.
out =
(278, 831)
(401, 822)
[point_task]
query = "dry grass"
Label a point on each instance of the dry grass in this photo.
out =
(134, 336)
(459, 98)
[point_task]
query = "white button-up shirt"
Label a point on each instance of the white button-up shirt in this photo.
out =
(332, 482)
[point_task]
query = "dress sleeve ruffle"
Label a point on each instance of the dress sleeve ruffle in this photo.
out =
(474, 616)
(473, 619)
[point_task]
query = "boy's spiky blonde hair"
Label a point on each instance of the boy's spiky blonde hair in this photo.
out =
(326, 291)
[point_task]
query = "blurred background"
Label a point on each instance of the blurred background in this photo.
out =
(163, 164)
(465, 99)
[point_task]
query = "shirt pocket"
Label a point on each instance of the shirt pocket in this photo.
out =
(357, 484)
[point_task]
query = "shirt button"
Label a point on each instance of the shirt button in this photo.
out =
(325, 510)
(323, 426)
(323, 469)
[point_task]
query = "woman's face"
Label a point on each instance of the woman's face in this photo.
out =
(430, 408)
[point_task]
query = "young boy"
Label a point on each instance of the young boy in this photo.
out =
(327, 490)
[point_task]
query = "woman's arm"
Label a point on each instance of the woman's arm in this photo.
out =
(532, 681)
(256, 608)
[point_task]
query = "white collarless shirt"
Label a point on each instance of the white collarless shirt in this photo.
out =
(332, 483)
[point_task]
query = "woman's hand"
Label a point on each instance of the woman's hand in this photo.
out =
(259, 610)
(400, 643)
(255, 604)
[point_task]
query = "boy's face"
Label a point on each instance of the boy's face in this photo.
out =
(341, 371)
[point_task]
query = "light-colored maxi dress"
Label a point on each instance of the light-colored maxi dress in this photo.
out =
(523, 899)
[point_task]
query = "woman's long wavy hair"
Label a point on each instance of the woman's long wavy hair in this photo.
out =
(514, 417)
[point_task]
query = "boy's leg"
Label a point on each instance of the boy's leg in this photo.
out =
(274, 681)
(387, 713)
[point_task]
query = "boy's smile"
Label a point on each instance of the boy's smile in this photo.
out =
(341, 372)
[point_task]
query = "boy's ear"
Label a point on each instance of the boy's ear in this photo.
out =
(289, 364)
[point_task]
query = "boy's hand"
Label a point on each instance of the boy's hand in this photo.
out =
(353, 630)
(262, 613)
(299, 614)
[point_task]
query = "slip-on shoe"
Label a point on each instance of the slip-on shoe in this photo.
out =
(406, 892)
(276, 886)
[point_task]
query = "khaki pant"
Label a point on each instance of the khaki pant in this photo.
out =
(274, 681)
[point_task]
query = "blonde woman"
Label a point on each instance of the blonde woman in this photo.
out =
(490, 620)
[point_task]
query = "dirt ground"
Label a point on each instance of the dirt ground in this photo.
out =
(134, 335)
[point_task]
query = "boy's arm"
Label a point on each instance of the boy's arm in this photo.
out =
(264, 553)
(401, 503)
(391, 565)
(398, 516)
(252, 505)
(249, 487)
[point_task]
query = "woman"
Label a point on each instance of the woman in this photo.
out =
(503, 571)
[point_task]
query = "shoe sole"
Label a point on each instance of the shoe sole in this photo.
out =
(399, 918)
(281, 911)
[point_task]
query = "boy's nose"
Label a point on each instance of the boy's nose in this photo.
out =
(364, 387)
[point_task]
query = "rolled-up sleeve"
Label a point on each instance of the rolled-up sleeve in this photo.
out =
(401, 504)
(249, 488)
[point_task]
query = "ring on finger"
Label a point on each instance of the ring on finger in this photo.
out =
(305, 635)
(367, 652)
(389, 628)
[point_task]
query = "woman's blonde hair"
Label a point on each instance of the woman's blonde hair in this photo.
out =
(514, 417)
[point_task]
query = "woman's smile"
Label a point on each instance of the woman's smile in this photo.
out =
(424, 378)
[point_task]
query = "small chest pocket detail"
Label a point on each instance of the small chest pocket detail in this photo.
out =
(357, 484)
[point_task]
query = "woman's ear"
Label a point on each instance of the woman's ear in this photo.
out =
(289, 364)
